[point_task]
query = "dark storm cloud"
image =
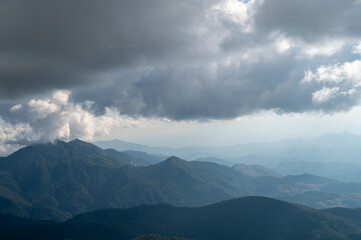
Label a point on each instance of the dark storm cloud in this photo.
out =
(202, 93)
(175, 59)
(311, 20)
(58, 44)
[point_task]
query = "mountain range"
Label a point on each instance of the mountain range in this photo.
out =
(58, 180)
(61, 179)
(335, 155)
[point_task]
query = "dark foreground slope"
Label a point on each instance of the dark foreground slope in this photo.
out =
(350, 214)
(247, 218)
(157, 237)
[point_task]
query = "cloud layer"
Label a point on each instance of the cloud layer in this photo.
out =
(208, 59)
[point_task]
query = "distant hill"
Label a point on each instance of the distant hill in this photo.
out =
(255, 170)
(246, 218)
(123, 146)
(316, 199)
(215, 160)
(334, 155)
(146, 158)
(320, 199)
(309, 178)
(342, 170)
(125, 158)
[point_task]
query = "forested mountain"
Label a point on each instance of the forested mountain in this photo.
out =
(54, 180)
(58, 180)
(248, 218)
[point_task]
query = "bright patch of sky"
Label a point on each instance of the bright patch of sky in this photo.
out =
(261, 127)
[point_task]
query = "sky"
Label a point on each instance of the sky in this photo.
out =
(175, 73)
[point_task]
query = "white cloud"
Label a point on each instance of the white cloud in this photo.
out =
(56, 117)
(283, 45)
(324, 95)
(325, 48)
(233, 10)
(357, 48)
(11, 134)
(42, 108)
(337, 73)
(342, 79)
(15, 107)
(61, 97)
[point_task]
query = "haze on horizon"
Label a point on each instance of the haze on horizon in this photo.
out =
(175, 73)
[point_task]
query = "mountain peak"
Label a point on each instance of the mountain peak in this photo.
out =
(174, 160)
(78, 141)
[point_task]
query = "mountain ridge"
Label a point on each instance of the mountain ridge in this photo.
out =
(243, 218)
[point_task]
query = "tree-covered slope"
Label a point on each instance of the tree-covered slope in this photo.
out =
(58, 180)
(54, 180)
(250, 218)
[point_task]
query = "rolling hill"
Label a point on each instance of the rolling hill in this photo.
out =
(246, 218)
(333, 155)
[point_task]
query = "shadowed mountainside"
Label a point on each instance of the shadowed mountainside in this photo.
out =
(247, 218)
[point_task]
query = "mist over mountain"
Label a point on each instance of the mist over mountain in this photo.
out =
(335, 155)
(330, 147)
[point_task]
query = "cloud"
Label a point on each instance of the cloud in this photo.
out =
(357, 48)
(209, 59)
(340, 85)
(60, 44)
(322, 49)
(348, 73)
(55, 117)
(10, 137)
(310, 20)
(324, 94)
